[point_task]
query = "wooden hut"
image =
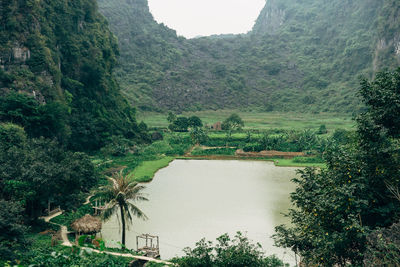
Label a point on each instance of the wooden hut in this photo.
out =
(87, 225)
(217, 126)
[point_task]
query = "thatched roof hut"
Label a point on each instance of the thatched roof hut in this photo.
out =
(87, 225)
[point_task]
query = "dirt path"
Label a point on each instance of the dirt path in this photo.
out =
(63, 228)
(87, 200)
(49, 217)
(64, 236)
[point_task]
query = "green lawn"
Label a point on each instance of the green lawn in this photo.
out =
(262, 120)
(147, 169)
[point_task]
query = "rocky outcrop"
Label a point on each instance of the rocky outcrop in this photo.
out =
(20, 53)
(271, 18)
(387, 52)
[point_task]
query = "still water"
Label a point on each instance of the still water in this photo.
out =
(192, 199)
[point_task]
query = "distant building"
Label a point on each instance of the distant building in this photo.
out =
(217, 126)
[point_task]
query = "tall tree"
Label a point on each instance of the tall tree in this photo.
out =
(119, 195)
(337, 207)
(195, 122)
(233, 122)
(12, 231)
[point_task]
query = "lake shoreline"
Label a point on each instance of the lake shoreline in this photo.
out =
(278, 162)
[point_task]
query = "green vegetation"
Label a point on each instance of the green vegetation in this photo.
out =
(302, 56)
(262, 120)
(58, 98)
(233, 122)
(339, 210)
(38, 171)
(56, 74)
(299, 162)
(146, 170)
(13, 237)
(235, 252)
(280, 140)
(68, 217)
(273, 89)
(118, 196)
(181, 124)
(42, 253)
(213, 151)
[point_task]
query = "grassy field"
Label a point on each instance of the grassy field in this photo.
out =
(146, 170)
(262, 120)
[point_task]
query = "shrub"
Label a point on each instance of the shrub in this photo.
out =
(227, 252)
(215, 151)
(308, 160)
(322, 129)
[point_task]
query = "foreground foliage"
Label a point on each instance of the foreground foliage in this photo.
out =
(238, 251)
(35, 172)
(61, 56)
(13, 239)
(337, 207)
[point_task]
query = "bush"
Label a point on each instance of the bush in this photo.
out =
(383, 247)
(322, 129)
(156, 136)
(308, 160)
(74, 257)
(215, 151)
(117, 146)
(253, 148)
(236, 252)
(12, 231)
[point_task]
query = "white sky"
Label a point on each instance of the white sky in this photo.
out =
(191, 18)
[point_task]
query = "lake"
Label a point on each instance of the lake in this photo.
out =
(192, 199)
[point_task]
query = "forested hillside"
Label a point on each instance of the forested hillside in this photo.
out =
(56, 79)
(301, 55)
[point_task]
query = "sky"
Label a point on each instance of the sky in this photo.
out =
(192, 18)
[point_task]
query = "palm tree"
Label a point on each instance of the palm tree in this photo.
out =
(120, 193)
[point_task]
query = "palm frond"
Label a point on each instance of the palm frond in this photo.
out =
(117, 194)
(137, 212)
(109, 211)
(127, 212)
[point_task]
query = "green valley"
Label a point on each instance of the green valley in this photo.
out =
(301, 56)
(281, 144)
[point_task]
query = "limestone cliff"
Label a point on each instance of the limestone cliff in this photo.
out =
(62, 53)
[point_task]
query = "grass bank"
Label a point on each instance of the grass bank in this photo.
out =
(292, 163)
(147, 169)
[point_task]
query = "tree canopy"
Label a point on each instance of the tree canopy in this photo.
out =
(336, 208)
(233, 122)
(238, 251)
(36, 171)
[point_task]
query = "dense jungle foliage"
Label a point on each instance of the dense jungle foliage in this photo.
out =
(342, 212)
(58, 97)
(301, 56)
(60, 55)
